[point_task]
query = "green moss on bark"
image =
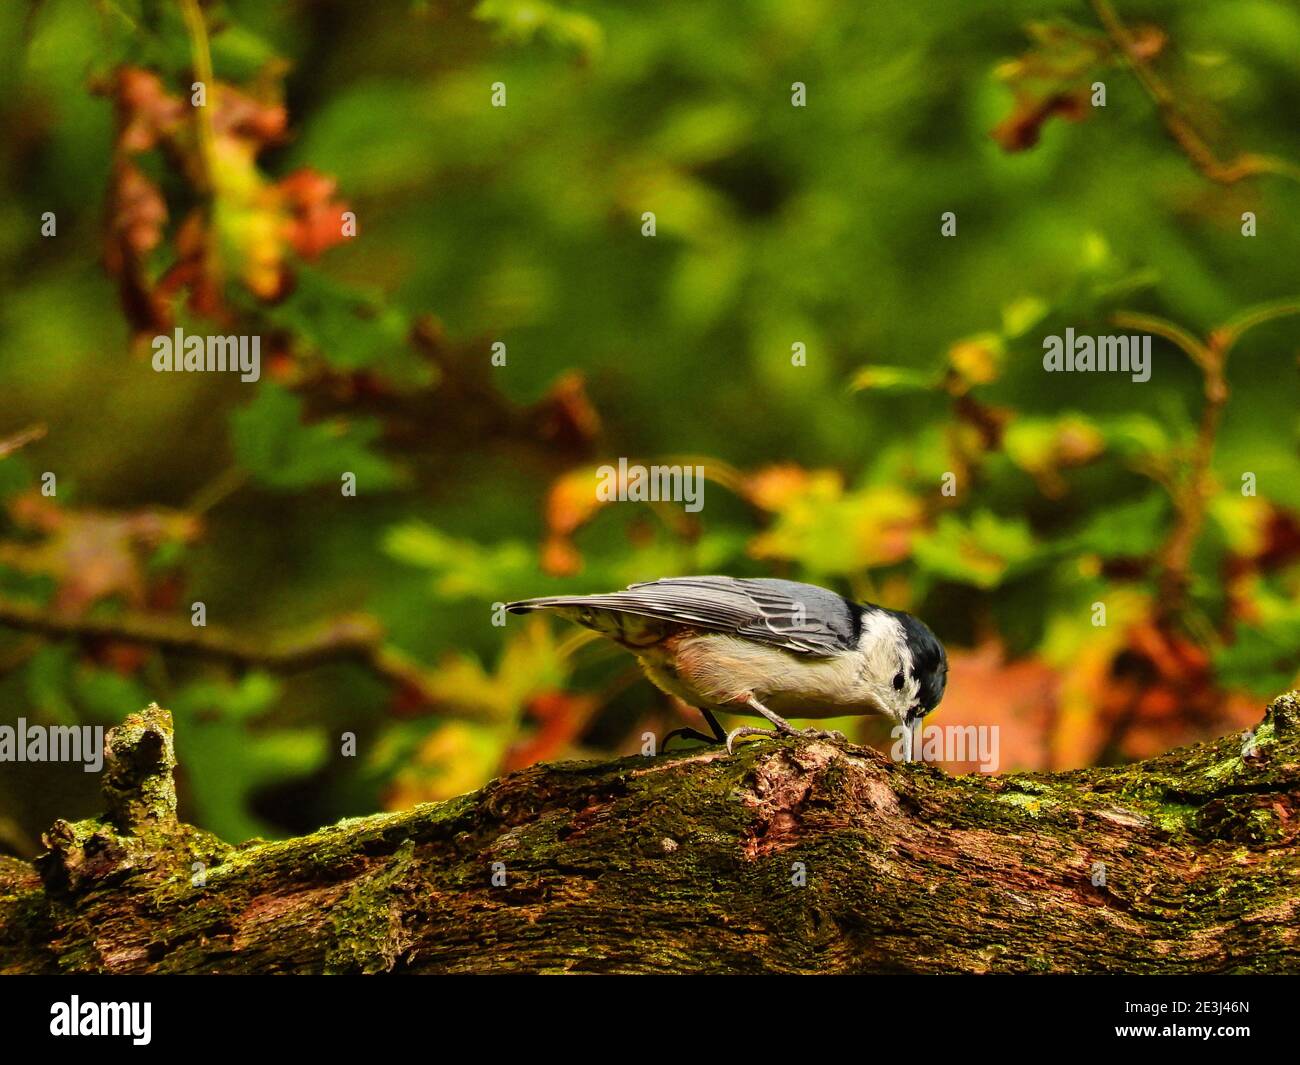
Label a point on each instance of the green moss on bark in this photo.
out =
(792, 856)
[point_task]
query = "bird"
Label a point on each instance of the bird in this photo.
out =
(767, 647)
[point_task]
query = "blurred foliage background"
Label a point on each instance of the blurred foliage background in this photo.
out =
(776, 225)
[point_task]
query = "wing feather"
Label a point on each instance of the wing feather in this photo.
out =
(797, 617)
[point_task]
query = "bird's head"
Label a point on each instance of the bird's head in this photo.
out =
(907, 666)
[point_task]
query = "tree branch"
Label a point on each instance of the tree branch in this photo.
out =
(792, 856)
(356, 638)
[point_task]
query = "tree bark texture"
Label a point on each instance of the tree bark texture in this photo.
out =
(794, 855)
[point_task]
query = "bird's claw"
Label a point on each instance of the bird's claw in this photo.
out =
(823, 734)
(686, 734)
(746, 730)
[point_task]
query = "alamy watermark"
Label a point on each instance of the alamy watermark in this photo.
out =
(951, 743)
(208, 354)
(53, 743)
(1109, 354)
(77, 1018)
(651, 484)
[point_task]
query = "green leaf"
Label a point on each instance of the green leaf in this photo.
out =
(271, 441)
(462, 569)
(227, 759)
(892, 379)
(238, 53)
(1128, 530)
(1135, 435)
(1263, 659)
(47, 681)
(15, 475)
(1038, 445)
(520, 21)
(254, 694)
(106, 695)
(350, 329)
(1022, 314)
(982, 552)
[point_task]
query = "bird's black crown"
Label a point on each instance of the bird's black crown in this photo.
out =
(929, 659)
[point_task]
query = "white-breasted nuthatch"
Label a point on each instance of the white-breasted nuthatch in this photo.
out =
(768, 647)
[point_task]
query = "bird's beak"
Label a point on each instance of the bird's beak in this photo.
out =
(914, 739)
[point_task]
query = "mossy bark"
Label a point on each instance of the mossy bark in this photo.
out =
(792, 856)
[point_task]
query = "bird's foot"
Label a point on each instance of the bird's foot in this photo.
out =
(823, 734)
(781, 730)
(747, 730)
(689, 734)
(719, 736)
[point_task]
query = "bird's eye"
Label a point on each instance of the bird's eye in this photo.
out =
(898, 683)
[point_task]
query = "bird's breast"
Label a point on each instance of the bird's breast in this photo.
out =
(720, 671)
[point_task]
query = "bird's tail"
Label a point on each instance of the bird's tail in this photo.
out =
(599, 613)
(550, 602)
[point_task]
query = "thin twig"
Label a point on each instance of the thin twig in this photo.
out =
(1188, 343)
(1227, 335)
(21, 439)
(1191, 493)
(226, 483)
(201, 53)
(1180, 128)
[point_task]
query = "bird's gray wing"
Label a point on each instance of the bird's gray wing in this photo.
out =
(797, 617)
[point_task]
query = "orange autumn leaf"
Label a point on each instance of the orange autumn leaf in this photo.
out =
(313, 223)
(570, 504)
(560, 718)
(247, 228)
(560, 558)
(571, 501)
(773, 487)
(1018, 697)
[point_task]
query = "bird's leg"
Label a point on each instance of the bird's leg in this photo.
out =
(780, 724)
(719, 735)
